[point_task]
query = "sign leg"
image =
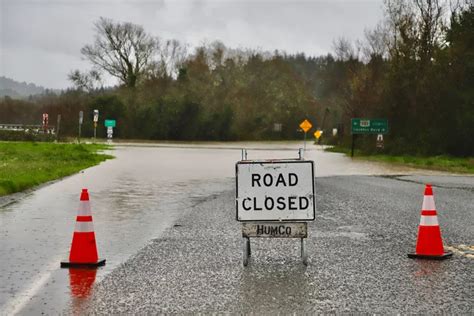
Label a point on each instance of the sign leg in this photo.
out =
(246, 252)
(248, 247)
(304, 255)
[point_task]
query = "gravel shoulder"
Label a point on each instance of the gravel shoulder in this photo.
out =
(357, 246)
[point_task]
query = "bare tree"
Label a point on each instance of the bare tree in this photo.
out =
(171, 56)
(416, 27)
(376, 42)
(430, 24)
(343, 49)
(123, 50)
(400, 21)
(86, 81)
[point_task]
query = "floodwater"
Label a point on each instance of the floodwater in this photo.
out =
(134, 198)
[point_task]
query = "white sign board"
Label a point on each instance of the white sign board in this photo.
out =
(275, 190)
(110, 132)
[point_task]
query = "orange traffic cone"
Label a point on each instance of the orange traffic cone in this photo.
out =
(429, 244)
(83, 247)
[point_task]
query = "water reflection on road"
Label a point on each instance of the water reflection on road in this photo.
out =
(134, 198)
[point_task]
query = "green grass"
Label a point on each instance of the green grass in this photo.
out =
(442, 163)
(26, 164)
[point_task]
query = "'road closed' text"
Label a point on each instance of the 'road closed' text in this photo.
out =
(291, 203)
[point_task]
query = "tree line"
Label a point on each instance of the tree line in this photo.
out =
(415, 68)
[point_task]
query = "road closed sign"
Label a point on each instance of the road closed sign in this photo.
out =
(275, 190)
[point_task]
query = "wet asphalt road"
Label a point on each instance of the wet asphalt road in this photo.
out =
(135, 198)
(358, 245)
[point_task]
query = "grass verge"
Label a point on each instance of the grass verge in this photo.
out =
(442, 163)
(26, 164)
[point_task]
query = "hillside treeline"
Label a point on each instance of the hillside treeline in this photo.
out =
(210, 99)
(416, 68)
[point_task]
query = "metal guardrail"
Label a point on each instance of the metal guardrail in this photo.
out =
(37, 129)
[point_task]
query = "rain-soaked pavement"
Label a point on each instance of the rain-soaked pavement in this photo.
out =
(164, 220)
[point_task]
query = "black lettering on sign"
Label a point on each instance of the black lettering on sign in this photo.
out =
(292, 179)
(304, 202)
(280, 180)
(255, 207)
(244, 205)
(292, 203)
(269, 206)
(281, 203)
(281, 229)
(255, 179)
(267, 179)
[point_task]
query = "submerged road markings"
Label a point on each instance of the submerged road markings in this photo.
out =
(15, 305)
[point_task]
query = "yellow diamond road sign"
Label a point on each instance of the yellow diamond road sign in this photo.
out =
(318, 133)
(305, 125)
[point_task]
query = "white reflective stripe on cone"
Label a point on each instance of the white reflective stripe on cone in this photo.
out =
(84, 227)
(428, 203)
(84, 209)
(429, 220)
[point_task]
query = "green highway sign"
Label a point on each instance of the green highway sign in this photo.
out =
(109, 123)
(369, 126)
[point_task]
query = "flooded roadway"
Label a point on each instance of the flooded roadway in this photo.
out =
(134, 198)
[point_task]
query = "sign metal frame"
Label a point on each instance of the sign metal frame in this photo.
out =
(273, 228)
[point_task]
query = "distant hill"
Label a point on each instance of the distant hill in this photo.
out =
(18, 90)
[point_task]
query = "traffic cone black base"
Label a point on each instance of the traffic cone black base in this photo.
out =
(67, 264)
(445, 255)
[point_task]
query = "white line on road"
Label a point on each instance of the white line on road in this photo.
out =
(20, 300)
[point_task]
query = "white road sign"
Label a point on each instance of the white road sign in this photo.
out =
(275, 190)
(110, 132)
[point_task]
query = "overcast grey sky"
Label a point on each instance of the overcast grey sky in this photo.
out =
(40, 40)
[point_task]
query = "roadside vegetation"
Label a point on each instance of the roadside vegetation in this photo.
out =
(442, 163)
(26, 164)
(415, 69)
